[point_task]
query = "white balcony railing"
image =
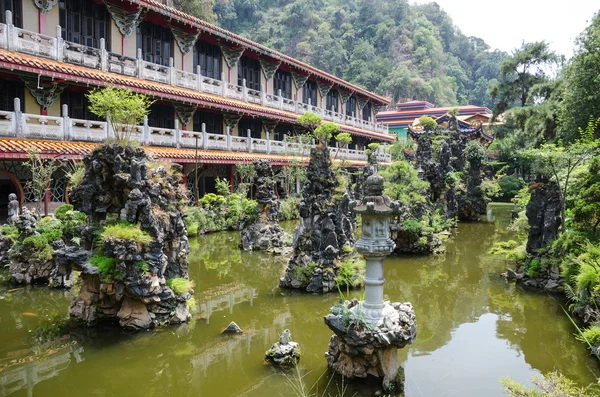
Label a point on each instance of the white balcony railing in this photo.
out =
(30, 126)
(21, 40)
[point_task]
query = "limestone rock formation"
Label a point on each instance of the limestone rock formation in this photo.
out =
(358, 349)
(285, 353)
(265, 232)
(142, 283)
(473, 203)
(326, 227)
(543, 215)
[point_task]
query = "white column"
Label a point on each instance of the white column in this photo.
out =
(66, 123)
(18, 117)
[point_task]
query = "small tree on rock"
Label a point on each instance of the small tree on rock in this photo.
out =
(41, 175)
(123, 109)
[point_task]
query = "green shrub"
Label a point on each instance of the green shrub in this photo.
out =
(533, 267)
(10, 233)
(412, 227)
(180, 285)
(191, 304)
(591, 335)
(106, 266)
(502, 247)
(122, 231)
(36, 242)
(510, 186)
(289, 209)
(70, 219)
(192, 229)
(588, 277)
(50, 228)
(142, 265)
(304, 273)
(61, 211)
(351, 272)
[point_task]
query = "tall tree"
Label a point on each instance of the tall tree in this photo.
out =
(519, 72)
(581, 94)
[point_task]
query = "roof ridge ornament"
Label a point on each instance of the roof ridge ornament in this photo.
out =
(45, 5)
(127, 21)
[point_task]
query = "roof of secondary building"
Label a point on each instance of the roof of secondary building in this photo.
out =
(13, 61)
(409, 111)
(16, 149)
(186, 19)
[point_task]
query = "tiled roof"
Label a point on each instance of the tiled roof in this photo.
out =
(170, 12)
(14, 148)
(83, 75)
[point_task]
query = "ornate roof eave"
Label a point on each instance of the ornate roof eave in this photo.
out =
(16, 149)
(181, 17)
(27, 64)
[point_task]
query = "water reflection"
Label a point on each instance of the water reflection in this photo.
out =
(473, 328)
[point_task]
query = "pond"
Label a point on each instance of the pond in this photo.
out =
(473, 328)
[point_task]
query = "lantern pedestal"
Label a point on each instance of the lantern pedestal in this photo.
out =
(368, 334)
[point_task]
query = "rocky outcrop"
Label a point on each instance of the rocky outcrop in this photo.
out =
(409, 243)
(473, 203)
(359, 350)
(265, 232)
(325, 228)
(285, 353)
(143, 282)
(31, 257)
(543, 215)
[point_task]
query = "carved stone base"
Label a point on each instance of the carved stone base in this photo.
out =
(360, 349)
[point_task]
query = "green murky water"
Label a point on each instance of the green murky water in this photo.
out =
(473, 328)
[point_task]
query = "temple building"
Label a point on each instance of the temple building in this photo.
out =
(398, 121)
(217, 94)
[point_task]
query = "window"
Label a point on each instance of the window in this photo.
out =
(208, 57)
(332, 100)
(212, 121)
(161, 116)
(254, 125)
(9, 90)
(78, 105)
(155, 42)
(282, 81)
(351, 107)
(17, 12)
(84, 22)
(309, 90)
(366, 112)
(249, 69)
(281, 130)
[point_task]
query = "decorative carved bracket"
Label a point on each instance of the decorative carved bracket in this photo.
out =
(45, 5)
(185, 40)
(232, 54)
(324, 88)
(269, 125)
(361, 102)
(47, 94)
(232, 119)
(127, 21)
(299, 79)
(185, 113)
(268, 68)
(378, 107)
(345, 95)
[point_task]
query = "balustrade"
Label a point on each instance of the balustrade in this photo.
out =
(21, 40)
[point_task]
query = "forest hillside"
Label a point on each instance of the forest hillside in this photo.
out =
(387, 46)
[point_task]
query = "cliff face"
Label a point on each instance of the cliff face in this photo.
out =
(139, 270)
(544, 216)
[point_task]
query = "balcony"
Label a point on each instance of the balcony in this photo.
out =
(28, 126)
(55, 48)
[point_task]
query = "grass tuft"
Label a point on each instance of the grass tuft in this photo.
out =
(123, 231)
(180, 285)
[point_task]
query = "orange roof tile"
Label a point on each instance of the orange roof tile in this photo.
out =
(79, 74)
(170, 12)
(15, 148)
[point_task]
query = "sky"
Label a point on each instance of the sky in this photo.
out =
(505, 24)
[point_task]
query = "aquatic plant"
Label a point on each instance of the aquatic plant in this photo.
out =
(552, 384)
(191, 304)
(180, 285)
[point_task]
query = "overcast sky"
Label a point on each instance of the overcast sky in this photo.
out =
(505, 24)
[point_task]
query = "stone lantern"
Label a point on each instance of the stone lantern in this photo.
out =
(368, 334)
